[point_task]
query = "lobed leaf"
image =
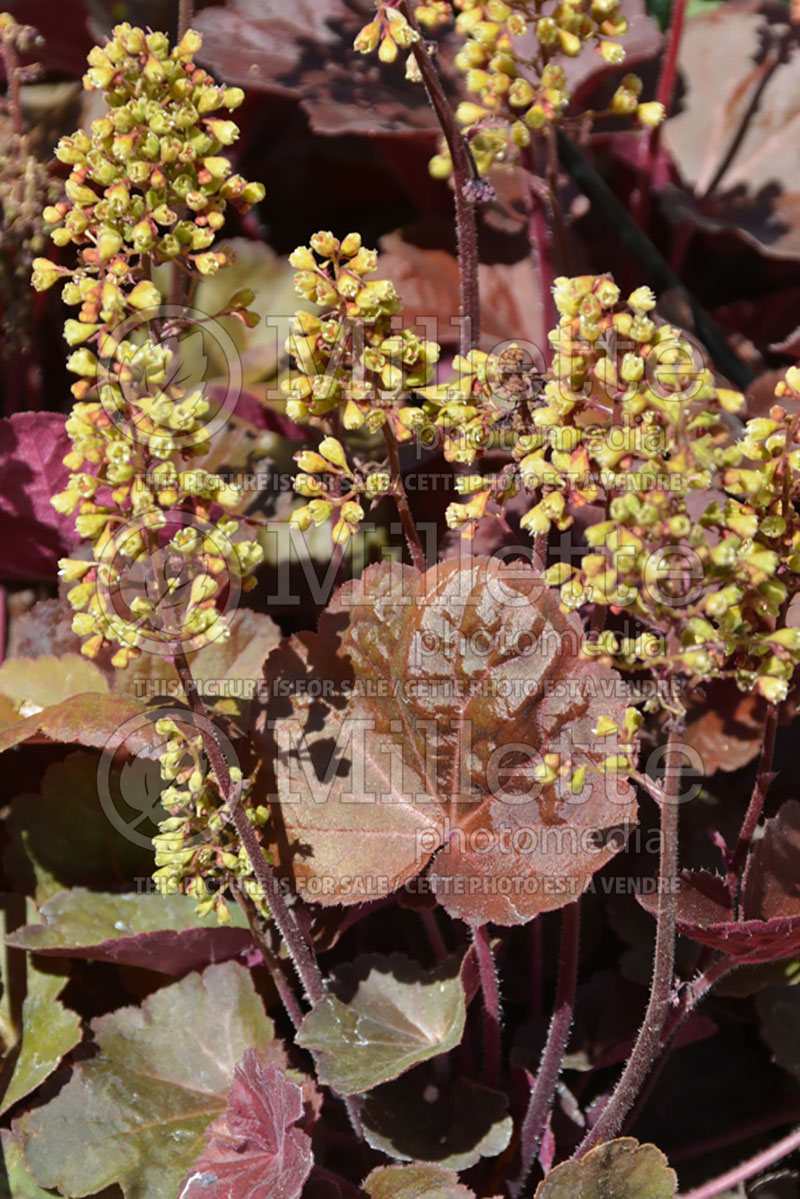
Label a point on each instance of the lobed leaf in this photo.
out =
(254, 1151)
(410, 732)
(386, 1015)
(136, 1113)
(622, 1168)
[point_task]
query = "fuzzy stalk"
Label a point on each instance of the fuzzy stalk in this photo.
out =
(492, 1011)
(466, 187)
(300, 951)
(756, 805)
(544, 1088)
(649, 1041)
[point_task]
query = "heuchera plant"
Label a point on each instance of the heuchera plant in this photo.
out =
(464, 742)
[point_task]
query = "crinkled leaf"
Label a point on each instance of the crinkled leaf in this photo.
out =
(64, 837)
(48, 1032)
(415, 1119)
(410, 731)
(136, 1114)
(768, 927)
(156, 932)
(623, 1168)
(740, 109)
(254, 1151)
(386, 1015)
(33, 536)
(779, 1012)
(415, 1182)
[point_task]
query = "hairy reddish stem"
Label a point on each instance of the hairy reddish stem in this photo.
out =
(756, 805)
(185, 15)
(665, 91)
(287, 995)
(465, 187)
(544, 1088)
(300, 951)
(401, 499)
(649, 1041)
(748, 1169)
(492, 1012)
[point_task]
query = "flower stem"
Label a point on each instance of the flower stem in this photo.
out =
(649, 1041)
(287, 995)
(756, 805)
(665, 91)
(492, 1013)
(466, 186)
(401, 499)
(544, 1088)
(748, 1169)
(185, 14)
(300, 951)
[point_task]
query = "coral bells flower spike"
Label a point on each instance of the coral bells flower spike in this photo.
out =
(156, 151)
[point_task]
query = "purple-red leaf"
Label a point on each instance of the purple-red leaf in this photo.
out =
(254, 1151)
(768, 926)
(33, 536)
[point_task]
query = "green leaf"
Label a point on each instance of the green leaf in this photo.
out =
(415, 1119)
(37, 1030)
(16, 1182)
(415, 1182)
(49, 1032)
(622, 1168)
(153, 931)
(64, 837)
(136, 1114)
(386, 1015)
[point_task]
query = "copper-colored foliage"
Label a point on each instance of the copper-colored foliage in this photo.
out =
(740, 110)
(768, 925)
(409, 731)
